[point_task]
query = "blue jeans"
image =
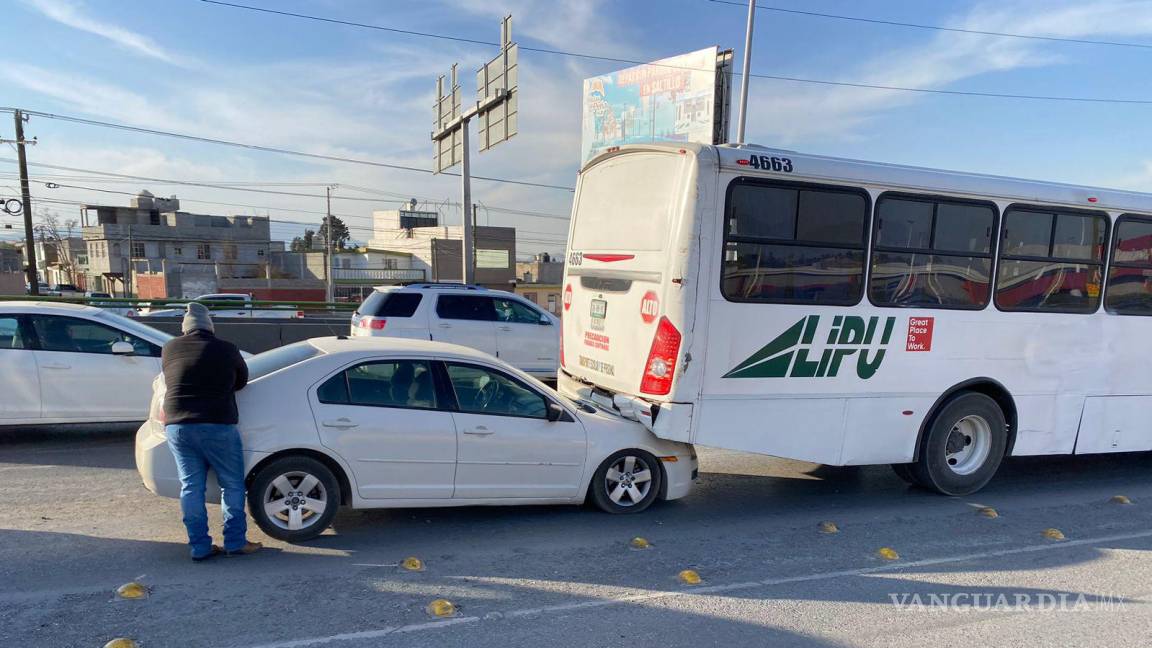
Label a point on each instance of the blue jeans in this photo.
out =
(198, 447)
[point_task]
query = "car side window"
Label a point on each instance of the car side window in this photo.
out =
(484, 391)
(11, 336)
(466, 307)
(400, 383)
(512, 311)
(75, 335)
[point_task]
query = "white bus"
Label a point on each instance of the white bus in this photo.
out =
(847, 313)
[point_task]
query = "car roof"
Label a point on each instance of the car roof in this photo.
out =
(340, 344)
(48, 307)
(429, 287)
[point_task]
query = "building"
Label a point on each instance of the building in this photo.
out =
(152, 249)
(356, 272)
(437, 249)
(539, 281)
(12, 277)
(56, 266)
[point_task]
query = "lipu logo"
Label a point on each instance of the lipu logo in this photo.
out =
(791, 354)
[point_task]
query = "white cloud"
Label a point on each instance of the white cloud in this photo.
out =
(67, 13)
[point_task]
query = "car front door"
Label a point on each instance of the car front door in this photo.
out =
(384, 418)
(81, 379)
(467, 320)
(507, 446)
(526, 337)
(19, 381)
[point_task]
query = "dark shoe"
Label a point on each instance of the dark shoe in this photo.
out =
(214, 551)
(250, 548)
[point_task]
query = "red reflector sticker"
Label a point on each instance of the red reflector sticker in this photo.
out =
(609, 258)
(742, 162)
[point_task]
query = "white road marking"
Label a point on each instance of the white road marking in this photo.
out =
(714, 589)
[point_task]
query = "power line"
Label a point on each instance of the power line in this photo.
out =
(613, 59)
(894, 23)
(265, 149)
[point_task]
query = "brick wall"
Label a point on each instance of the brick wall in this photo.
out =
(151, 286)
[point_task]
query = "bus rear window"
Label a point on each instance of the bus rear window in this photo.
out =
(628, 202)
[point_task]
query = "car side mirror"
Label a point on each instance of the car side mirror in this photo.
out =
(123, 348)
(545, 321)
(555, 412)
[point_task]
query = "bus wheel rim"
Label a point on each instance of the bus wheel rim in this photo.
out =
(969, 444)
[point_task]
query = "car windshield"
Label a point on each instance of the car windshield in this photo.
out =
(262, 364)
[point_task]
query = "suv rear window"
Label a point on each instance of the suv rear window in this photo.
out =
(390, 304)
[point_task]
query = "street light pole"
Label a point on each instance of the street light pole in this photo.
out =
(745, 71)
(469, 274)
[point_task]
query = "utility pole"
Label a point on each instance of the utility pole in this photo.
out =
(745, 72)
(26, 197)
(328, 248)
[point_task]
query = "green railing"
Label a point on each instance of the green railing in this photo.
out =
(309, 307)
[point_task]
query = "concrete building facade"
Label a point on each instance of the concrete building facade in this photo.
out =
(437, 249)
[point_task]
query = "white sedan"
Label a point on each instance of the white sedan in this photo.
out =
(392, 423)
(66, 363)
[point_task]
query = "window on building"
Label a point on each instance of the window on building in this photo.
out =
(554, 303)
(230, 252)
(931, 253)
(154, 217)
(204, 251)
(1051, 260)
(138, 251)
(259, 252)
(177, 250)
(794, 243)
(1129, 289)
(531, 296)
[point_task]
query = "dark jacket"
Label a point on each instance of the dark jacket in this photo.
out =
(202, 373)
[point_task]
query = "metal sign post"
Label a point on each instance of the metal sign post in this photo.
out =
(496, 107)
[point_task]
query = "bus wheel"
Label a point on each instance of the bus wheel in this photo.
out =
(963, 447)
(904, 471)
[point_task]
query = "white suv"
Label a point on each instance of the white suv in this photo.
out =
(493, 321)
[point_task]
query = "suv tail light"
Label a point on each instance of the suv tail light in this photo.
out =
(661, 365)
(374, 323)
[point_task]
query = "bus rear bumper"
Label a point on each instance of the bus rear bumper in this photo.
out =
(670, 421)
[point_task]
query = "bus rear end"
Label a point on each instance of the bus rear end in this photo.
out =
(625, 309)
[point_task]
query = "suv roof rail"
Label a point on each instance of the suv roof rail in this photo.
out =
(444, 286)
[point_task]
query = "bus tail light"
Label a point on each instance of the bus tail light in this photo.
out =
(661, 365)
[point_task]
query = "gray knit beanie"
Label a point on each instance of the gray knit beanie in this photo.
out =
(197, 318)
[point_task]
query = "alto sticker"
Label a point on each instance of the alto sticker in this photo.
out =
(920, 333)
(649, 307)
(798, 353)
(568, 297)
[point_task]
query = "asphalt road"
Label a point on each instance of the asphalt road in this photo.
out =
(75, 524)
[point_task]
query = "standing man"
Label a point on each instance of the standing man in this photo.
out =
(202, 374)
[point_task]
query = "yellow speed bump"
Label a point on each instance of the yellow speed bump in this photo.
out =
(1053, 534)
(132, 590)
(689, 577)
(1120, 499)
(887, 553)
(987, 512)
(441, 608)
(120, 642)
(412, 563)
(639, 543)
(829, 527)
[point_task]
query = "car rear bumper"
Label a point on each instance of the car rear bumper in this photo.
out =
(157, 465)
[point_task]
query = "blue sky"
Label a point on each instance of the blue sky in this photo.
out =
(192, 67)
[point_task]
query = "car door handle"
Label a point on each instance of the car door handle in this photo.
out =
(340, 424)
(445, 326)
(478, 431)
(505, 328)
(55, 366)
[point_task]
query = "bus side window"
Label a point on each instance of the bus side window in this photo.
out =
(1129, 289)
(793, 243)
(931, 252)
(1051, 260)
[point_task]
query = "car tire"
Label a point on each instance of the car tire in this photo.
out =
(963, 446)
(628, 481)
(285, 498)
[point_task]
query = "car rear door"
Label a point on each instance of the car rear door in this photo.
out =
(507, 446)
(467, 320)
(526, 338)
(385, 419)
(81, 379)
(19, 381)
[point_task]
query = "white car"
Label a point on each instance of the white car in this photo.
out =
(219, 303)
(387, 423)
(67, 363)
(498, 323)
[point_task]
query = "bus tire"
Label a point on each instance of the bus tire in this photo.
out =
(963, 446)
(904, 471)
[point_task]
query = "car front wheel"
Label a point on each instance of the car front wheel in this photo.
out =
(294, 498)
(626, 482)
